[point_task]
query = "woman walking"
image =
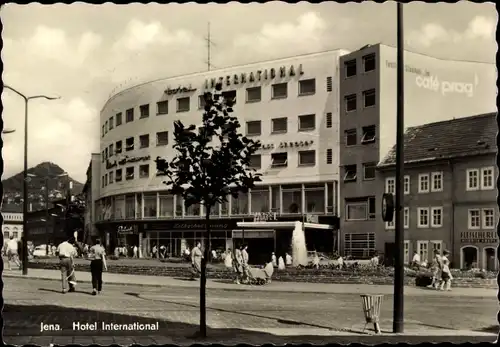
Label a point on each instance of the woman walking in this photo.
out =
(97, 264)
(445, 272)
(196, 256)
(436, 270)
(238, 264)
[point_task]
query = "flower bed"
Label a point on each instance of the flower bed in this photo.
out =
(360, 275)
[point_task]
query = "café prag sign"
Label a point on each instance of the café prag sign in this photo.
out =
(179, 90)
(256, 76)
(478, 237)
(126, 159)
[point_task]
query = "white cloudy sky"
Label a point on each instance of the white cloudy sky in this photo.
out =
(82, 52)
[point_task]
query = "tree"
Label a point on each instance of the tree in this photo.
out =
(211, 164)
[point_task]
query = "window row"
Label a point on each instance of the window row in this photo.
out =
(481, 218)
(390, 185)
(119, 175)
(280, 125)
(480, 179)
(369, 100)
(351, 172)
(183, 104)
(287, 199)
(432, 182)
(369, 64)
(368, 135)
(430, 217)
(280, 160)
(144, 142)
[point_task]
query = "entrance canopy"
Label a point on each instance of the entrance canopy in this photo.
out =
(283, 225)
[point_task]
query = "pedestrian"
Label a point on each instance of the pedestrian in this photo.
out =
(246, 268)
(214, 255)
(238, 264)
(416, 260)
(66, 252)
(135, 250)
(273, 260)
(288, 259)
(228, 259)
(196, 257)
(446, 276)
(97, 264)
(281, 263)
(436, 271)
(316, 260)
(154, 252)
(13, 252)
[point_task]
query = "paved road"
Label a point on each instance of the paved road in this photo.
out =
(249, 315)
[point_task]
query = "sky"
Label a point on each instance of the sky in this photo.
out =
(83, 53)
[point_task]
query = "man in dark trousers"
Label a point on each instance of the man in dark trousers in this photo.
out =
(66, 252)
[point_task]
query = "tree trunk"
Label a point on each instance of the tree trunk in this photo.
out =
(203, 279)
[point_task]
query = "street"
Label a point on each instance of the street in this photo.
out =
(244, 315)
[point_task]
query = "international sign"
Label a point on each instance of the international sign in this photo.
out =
(478, 237)
(264, 217)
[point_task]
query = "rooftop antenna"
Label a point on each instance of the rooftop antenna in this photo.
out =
(210, 43)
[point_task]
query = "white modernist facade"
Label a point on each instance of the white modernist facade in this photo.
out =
(290, 105)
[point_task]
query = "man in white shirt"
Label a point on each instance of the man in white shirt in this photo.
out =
(416, 259)
(13, 252)
(66, 252)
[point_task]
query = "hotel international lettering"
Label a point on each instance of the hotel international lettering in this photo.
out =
(478, 237)
(256, 76)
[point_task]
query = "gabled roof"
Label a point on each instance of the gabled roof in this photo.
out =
(462, 137)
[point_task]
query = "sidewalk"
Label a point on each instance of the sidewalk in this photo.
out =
(292, 287)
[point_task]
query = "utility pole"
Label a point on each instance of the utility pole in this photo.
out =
(210, 43)
(47, 237)
(398, 318)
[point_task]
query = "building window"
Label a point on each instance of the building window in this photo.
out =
(437, 182)
(144, 171)
(106, 127)
(473, 179)
(369, 98)
(183, 104)
(423, 183)
(111, 150)
(129, 144)
(407, 252)
(254, 94)
(254, 128)
(279, 91)
(111, 122)
(423, 250)
(259, 198)
(359, 245)
(350, 103)
(390, 185)
(230, 95)
(150, 207)
(162, 138)
(118, 147)
(487, 178)
(369, 171)
(105, 179)
(329, 120)
(103, 131)
(279, 160)
(329, 156)
(360, 209)
(307, 122)
(350, 173)
(369, 134)
(307, 158)
(119, 119)
(166, 205)
(201, 101)
(436, 217)
(110, 177)
(437, 246)
(129, 115)
(279, 125)
(144, 141)
(106, 153)
(488, 218)
(329, 84)
(307, 87)
(144, 111)
(314, 198)
(162, 107)
(406, 185)
(255, 161)
(474, 219)
(369, 62)
(118, 175)
(239, 205)
(406, 221)
(129, 173)
(423, 217)
(351, 137)
(371, 207)
(350, 68)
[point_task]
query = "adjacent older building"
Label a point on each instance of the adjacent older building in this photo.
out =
(435, 89)
(12, 221)
(89, 192)
(450, 196)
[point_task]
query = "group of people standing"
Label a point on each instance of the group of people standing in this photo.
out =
(441, 279)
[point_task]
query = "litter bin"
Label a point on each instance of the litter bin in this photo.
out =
(371, 308)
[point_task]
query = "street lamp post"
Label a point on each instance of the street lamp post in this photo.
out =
(25, 172)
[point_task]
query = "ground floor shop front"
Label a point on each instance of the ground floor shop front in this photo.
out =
(171, 238)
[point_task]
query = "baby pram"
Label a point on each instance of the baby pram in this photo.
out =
(259, 277)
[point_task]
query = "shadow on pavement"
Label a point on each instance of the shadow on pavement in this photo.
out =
(494, 329)
(59, 292)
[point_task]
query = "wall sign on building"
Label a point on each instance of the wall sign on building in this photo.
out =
(111, 164)
(478, 237)
(256, 76)
(179, 90)
(124, 230)
(265, 217)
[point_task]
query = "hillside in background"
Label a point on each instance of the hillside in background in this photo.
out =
(58, 185)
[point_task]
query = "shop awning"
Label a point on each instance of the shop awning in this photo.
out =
(282, 225)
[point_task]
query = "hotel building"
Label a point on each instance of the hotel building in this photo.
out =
(291, 105)
(435, 90)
